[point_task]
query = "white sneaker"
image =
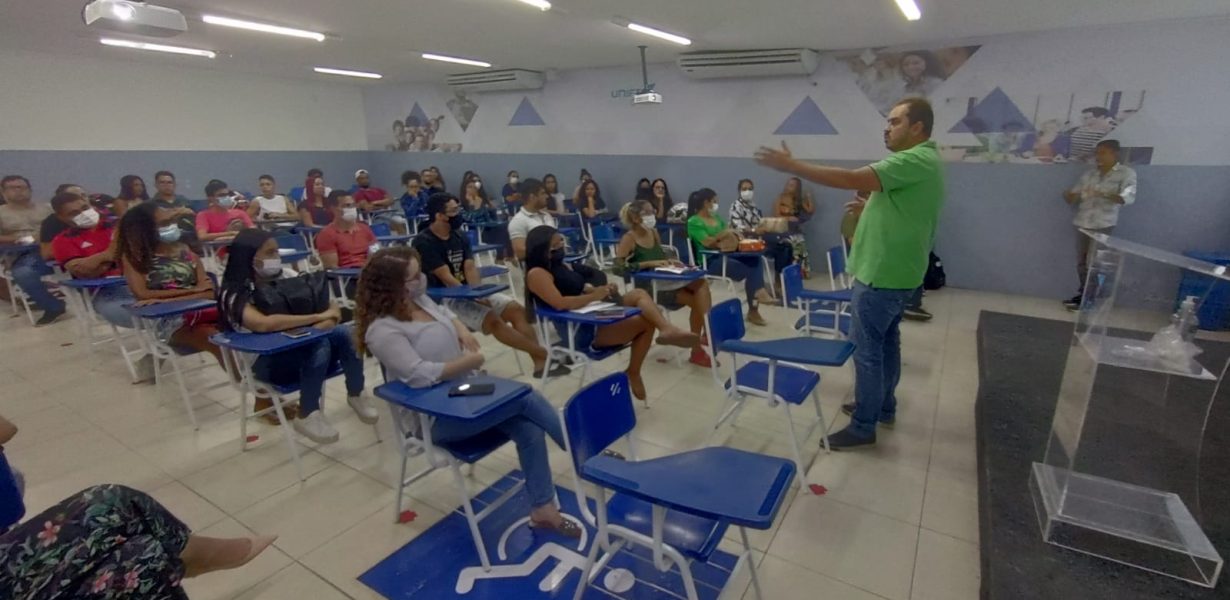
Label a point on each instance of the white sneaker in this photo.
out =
(316, 428)
(364, 407)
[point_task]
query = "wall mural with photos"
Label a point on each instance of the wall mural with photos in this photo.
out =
(1041, 98)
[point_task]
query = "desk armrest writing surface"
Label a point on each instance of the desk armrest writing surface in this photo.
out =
(173, 308)
(436, 402)
(802, 350)
(294, 257)
(94, 284)
(393, 239)
(466, 292)
(689, 275)
(308, 228)
(343, 273)
(265, 343)
(589, 319)
(480, 248)
(724, 484)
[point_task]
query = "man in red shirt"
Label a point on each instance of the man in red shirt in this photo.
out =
(345, 243)
(222, 220)
(371, 198)
(87, 250)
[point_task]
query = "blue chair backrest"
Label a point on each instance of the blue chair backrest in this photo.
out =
(603, 232)
(198, 205)
(381, 229)
(726, 322)
(792, 283)
(837, 261)
(290, 241)
(597, 416)
(472, 236)
(12, 508)
(296, 194)
(569, 205)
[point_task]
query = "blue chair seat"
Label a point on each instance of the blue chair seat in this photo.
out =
(473, 449)
(492, 271)
(791, 384)
(824, 320)
(845, 295)
(695, 537)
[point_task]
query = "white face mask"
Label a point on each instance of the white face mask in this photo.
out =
(649, 221)
(374, 248)
(514, 180)
(746, 195)
(478, 185)
(169, 234)
(226, 201)
(86, 219)
(350, 213)
(269, 267)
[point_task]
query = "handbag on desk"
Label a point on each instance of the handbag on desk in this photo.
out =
(306, 294)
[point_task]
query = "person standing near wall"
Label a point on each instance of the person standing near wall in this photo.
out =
(1097, 196)
(891, 248)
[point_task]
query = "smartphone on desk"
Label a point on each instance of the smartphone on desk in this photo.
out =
(472, 389)
(610, 313)
(297, 333)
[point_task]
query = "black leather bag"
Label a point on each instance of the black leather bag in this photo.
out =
(306, 294)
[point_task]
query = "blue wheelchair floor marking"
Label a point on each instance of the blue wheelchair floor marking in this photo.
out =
(432, 564)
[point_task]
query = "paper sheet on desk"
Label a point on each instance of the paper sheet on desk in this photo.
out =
(673, 270)
(594, 307)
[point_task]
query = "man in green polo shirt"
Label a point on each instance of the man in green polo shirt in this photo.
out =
(891, 248)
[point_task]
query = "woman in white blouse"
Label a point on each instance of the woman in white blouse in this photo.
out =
(422, 343)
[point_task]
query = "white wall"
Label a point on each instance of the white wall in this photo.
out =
(58, 103)
(1164, 81)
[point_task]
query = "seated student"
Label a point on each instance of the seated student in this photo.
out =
(552, 283)
(158, 268)
(708, 231)
(346, 242)
(415, 197)
(254, 262)
(422, 343)
(512, 198)
(795, 205)
(270, 206)
(432, 180)
(132, 192)
(221, 220)
(747, 220)
(660, 197)
(20, 218)
(168, 199)
(448, 262)
(312, 175)
(644, 189)
(86, 249)
(370, 198)
(312, 210)
(589, 200)
(641, 248)
(475, 207)
(555, 198)
(53, 225)
(533, 214)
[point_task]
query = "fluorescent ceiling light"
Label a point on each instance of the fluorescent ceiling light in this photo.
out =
(539, 4)
(263, 27)
(454, 59)
(122, 11)
(348, 73)
(670, 37)
(157, 47)
(910, 9)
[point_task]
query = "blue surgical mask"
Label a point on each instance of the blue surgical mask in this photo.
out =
(169, 234)
(226, 201)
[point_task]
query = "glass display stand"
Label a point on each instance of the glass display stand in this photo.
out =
(1121, 475)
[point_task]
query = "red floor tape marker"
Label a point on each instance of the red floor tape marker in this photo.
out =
(818, 489)
(407, 516)
(253, 438)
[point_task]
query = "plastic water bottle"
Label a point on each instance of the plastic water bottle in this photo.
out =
(1186, 321)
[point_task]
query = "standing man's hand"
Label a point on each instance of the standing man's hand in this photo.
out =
(775, 159)
(855, 207)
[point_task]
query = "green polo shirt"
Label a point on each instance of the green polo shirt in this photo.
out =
(897, 230)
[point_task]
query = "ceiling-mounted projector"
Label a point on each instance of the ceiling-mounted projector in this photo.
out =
(131, 16)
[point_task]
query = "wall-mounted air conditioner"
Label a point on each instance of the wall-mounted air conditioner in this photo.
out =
(749, 63)
(492, 81)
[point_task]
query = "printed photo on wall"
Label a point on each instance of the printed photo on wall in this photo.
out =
(463, 109)
(417, 133)
(886, 77)
(1061, 127)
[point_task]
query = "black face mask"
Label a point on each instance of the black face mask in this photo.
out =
(557, 256)
(456, 221)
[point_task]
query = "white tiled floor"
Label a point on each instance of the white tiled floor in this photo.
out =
(897, 522)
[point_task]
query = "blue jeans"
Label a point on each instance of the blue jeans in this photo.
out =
(875, 329)
(915, 301)
(28, 272)
(524, 421)
(746, 269)
(109, 304)
(309, 367)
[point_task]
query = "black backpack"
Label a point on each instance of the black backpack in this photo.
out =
(935, 278)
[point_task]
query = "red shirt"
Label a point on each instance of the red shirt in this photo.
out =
(73, 243)
(369, 194)
(351, 246)
(213, 221)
